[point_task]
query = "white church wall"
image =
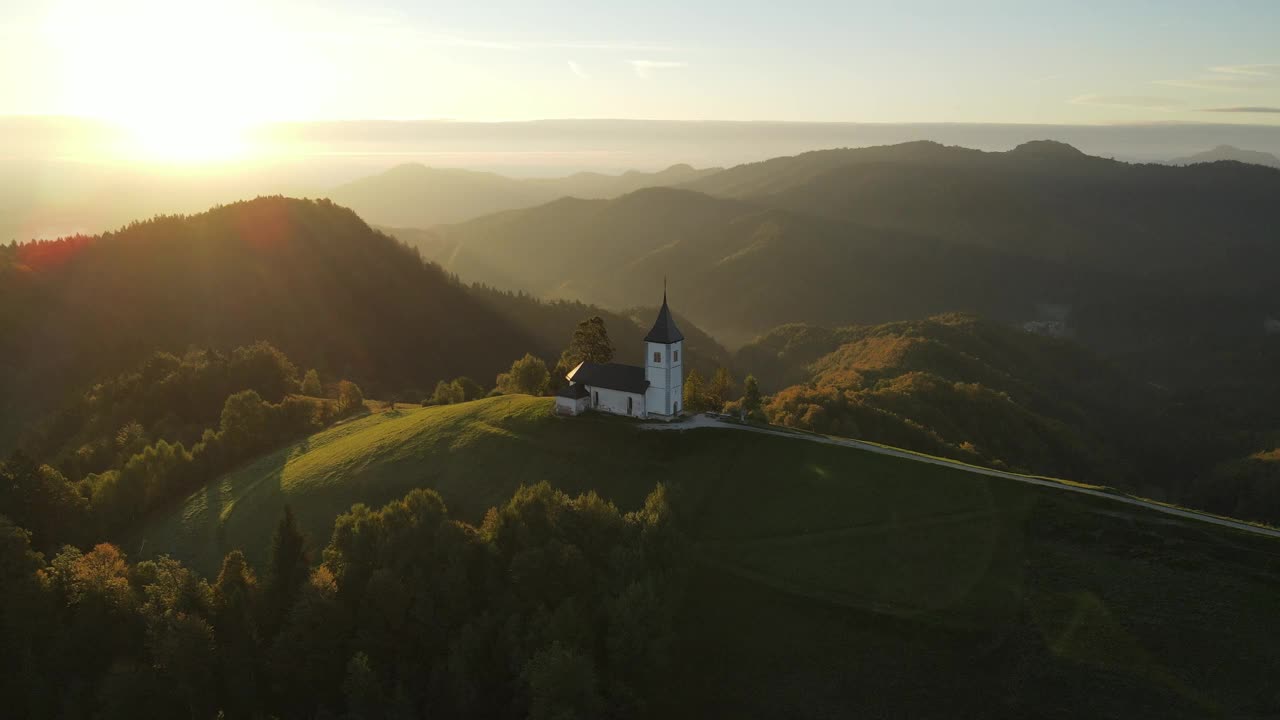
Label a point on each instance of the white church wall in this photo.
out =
(615, 401)
(570, 406)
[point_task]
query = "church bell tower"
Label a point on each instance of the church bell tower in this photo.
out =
(663, 364)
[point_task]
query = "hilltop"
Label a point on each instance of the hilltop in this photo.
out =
(1229, 153)
(1006, 595)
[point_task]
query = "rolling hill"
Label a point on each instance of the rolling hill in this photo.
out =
(894, 232)
(415, 195)
(1229, 153)
(308, 276)
(889, 587)
(985, 393)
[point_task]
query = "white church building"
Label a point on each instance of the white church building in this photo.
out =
(652, 390)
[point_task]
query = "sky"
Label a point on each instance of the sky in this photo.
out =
(205, 66)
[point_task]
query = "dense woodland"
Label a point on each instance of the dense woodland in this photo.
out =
(552, 608)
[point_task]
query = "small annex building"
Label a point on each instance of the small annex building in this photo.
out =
(652, 390)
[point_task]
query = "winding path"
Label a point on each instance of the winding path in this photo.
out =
(708, 421)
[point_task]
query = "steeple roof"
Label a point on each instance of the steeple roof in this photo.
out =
(664, 328)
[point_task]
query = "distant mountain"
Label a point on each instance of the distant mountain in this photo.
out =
(734, 267)
(876, 234)
(1231, 153)
(420, 196)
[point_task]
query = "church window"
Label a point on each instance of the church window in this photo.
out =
(657, 357)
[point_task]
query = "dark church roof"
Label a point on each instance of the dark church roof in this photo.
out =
(573, 392)
(614, 376)
(664, 328)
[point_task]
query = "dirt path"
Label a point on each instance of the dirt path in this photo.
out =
(708, 421)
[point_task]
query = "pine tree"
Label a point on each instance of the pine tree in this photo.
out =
(289, 568)
(751, 400)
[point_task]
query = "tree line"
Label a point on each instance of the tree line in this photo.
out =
(553, 607)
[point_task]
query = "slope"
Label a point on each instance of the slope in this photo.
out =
(964, 388)
(829, 581)
(308, 276)
(418, 196)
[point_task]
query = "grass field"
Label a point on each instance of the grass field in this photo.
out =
(830, 582)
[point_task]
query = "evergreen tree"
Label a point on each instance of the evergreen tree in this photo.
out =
(288, 570)
(751, 400)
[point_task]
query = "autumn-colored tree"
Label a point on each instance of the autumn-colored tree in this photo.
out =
(350, 399)
(695, 396)
(720, 389)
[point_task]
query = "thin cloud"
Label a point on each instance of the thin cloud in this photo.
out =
(1252, 109)
(1256, 70)
(1141, 102)
(1229, 78)
(645, 68)
(577, 70)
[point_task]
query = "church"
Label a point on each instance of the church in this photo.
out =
(652, 390)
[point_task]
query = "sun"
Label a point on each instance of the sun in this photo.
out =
(184, 140)
(183, 81)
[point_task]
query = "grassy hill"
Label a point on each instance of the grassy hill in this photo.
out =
(828, 581)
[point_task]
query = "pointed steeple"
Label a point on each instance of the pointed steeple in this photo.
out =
(664, 328)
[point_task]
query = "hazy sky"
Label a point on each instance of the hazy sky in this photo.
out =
(234, 62)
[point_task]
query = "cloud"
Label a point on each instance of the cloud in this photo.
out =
(1128, 101)
(577, 70)
(646, 68)
(1257, 70)
(1253, 109)
(1229, 78)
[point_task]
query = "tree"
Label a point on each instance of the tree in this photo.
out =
(590, 343)
(311, 384)
(350, 399)
(289, 567)
(720, 390)
(751, 400)
(447, 393)
(527, 375)
(471, 390)
(695, 398)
